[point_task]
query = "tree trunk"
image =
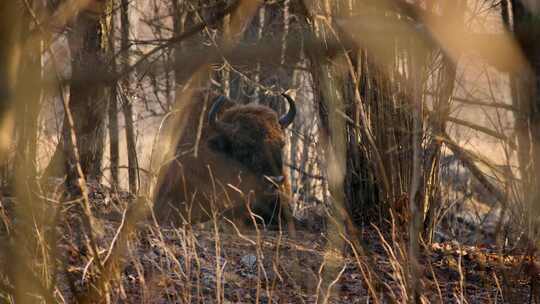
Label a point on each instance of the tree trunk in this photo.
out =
(445, 88)
(87, 103)
(10, 32)
(113, 107)
(28, 97)
(10, 41)
(20, 93)
(131, 147)
(127, 107)
(526, 28)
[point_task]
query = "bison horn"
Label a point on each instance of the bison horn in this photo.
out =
(212, 120)
(277, 180)
(288, 118)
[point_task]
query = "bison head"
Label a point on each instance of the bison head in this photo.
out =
(251, 135)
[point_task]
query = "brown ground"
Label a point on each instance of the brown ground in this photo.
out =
(201, 266)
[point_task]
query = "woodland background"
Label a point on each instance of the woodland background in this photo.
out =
(414, 160)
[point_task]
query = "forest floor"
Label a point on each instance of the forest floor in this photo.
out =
(301, 270)
(204, 266)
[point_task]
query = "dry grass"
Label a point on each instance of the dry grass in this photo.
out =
(217, 264)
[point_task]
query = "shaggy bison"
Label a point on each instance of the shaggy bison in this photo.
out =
(238, 167)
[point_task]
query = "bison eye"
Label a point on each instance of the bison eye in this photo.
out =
(220, 143)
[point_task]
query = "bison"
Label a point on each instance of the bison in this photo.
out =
(238, 167)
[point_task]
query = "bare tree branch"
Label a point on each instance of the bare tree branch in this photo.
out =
(479, 128)
(468, 158)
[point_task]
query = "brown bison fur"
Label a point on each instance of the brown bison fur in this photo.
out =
(230, 171)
